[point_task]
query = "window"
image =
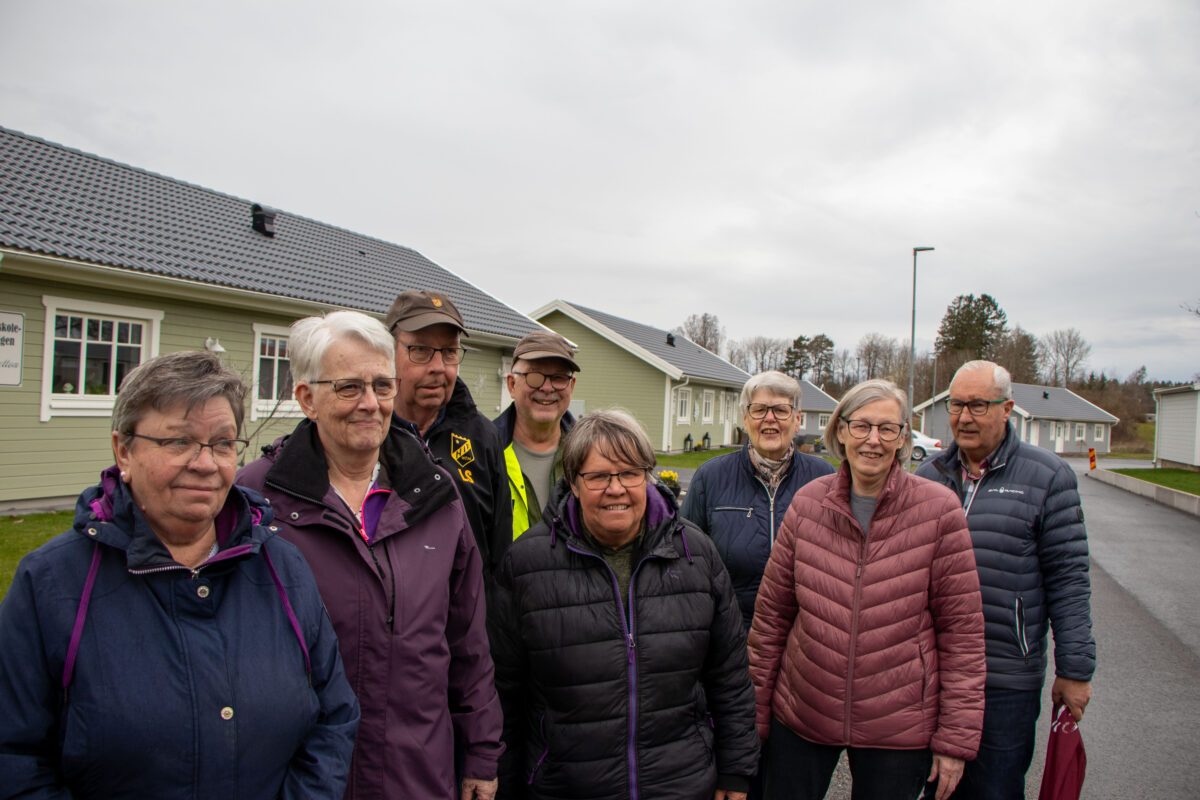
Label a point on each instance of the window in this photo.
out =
(1098, 433)
(88, 350)
(721, 407)
(823, 420)
(803, 420)
(272, 375)
(683, 413)
(708, 407)
(1080, 431)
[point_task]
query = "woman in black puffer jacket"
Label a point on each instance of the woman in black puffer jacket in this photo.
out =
(620, 655)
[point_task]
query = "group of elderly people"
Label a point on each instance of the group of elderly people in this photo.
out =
(320, 625)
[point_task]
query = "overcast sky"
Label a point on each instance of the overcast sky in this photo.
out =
(771, 162)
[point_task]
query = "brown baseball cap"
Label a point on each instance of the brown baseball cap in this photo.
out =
(545, 344)
(413, 310)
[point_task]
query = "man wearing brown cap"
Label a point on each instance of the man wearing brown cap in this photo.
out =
(435, 404)
(531, 429)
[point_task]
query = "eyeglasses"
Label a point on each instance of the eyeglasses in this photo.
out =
(629, 478)
(861, 429)
(423, 354)
(353, 388)
(782, 412)
(184, 450)
(537, 379)
(978, 408)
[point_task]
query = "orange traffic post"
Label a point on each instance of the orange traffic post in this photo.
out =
(1092, 458)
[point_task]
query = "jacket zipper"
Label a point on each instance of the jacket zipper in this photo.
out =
(862, 557)
(770, 511)
(627, 624)
(1019, 623)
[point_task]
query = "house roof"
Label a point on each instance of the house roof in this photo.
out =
(62, 202)
(1046, 402)
(682, 359)
(813, 398)
(1187, 387)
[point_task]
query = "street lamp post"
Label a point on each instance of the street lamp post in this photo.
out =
(912, 336)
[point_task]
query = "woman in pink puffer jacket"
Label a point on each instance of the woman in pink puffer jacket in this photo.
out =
(868, 629)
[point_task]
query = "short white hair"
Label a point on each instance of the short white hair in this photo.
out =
(1001, 378)
(774, 382)
(309, 338)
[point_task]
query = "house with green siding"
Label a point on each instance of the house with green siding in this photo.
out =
(103, 265)
(683, 395)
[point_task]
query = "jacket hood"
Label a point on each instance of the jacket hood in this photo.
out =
(662, 518)
(298, 467)
(108, 513)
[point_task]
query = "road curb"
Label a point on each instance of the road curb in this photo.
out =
(1173, 498)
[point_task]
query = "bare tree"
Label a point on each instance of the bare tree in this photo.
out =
(877, 355)
(705, 330)
(758, 353)
(1065, 351)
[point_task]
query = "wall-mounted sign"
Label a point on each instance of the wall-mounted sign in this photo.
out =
(12, 342)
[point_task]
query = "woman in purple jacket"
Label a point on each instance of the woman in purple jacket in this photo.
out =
(385, 532)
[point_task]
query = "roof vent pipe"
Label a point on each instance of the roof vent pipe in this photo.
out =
(263, 219)
(670, 340)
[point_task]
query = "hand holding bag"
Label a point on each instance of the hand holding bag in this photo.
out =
(1062, 778)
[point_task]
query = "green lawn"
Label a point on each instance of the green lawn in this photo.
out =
(1185, 480)
(693, 459)
(19, 535)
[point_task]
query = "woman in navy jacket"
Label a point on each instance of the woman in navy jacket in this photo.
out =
(739, 499)
(170, 646)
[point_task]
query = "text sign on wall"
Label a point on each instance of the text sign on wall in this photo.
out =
(12, 341)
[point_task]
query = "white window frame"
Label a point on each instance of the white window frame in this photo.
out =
(709, 399)
(1098, 433)
(803, 420)
(683, 407)
(287, 409)
(721, 408)
(95, 405)
(823, 420)
(1080, 431)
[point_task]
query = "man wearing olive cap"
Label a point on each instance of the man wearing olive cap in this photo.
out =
(540, 382)
(435, 404)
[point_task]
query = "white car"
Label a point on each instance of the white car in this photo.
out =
(924, 446)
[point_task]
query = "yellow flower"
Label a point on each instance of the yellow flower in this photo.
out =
(669, 476)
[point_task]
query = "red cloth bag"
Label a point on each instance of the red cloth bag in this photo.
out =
(1062, 778)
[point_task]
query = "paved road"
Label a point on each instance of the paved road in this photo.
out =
(1144, 721)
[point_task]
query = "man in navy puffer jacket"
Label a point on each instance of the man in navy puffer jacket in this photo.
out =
(1026, 523)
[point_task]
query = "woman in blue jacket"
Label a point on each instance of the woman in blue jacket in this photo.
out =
(169, 646)
(739, 499)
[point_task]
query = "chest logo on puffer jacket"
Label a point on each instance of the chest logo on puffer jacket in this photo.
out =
(460, 450)
(1005, 490)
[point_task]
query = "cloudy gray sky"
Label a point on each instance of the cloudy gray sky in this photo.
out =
(769, 161)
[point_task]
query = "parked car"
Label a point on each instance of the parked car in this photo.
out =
(924, 446)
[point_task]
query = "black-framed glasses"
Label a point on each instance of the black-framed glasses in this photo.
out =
(783, 412)
(537, 379)
(978, 408)
(861, 429)
(629, 478)
(184, 449)
(423, 354)
(353, 388)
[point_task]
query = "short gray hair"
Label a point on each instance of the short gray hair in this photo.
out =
(192, 377)
(615, 433)
(863, 394)
(774, 382)
(1001, 378)
(310, 338)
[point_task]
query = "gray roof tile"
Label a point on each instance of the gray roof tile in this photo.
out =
(62, 202)
(685, 355)
(1055, 402)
